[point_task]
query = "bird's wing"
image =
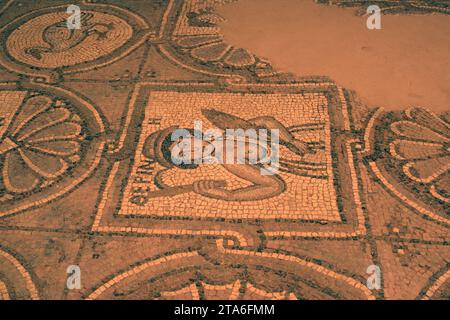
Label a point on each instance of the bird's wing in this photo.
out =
(225, 121)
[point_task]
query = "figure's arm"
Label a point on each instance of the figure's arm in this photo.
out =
(263, 186)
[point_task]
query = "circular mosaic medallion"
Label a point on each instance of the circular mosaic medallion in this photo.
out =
(46, 42)
(41, 44)
(228, 275)
(49, 144)
(412, 160)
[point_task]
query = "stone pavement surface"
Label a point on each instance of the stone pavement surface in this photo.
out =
(85, 182)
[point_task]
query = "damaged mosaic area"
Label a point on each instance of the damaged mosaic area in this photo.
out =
(84, 181)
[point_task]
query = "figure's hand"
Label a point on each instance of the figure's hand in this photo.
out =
(203, 186)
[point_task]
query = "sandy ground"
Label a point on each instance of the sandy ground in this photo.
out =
(406, 63)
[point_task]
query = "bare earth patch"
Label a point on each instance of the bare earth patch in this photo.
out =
(405, 64)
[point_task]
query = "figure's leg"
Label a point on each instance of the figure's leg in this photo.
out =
(262, 187)
(286, 138)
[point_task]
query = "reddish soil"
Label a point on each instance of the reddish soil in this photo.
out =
(406, 63)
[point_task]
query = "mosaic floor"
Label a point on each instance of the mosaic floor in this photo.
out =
(84, 184)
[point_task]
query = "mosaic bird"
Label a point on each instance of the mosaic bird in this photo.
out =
(60, 38)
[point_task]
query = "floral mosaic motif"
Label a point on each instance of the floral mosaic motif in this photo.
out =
(42, 143)
(232, 291)
(212, 48)
(201, 40)
(422, 143)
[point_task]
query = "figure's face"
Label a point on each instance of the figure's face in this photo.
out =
(189, 148)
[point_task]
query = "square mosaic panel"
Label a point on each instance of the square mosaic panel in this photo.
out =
(310, 193)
